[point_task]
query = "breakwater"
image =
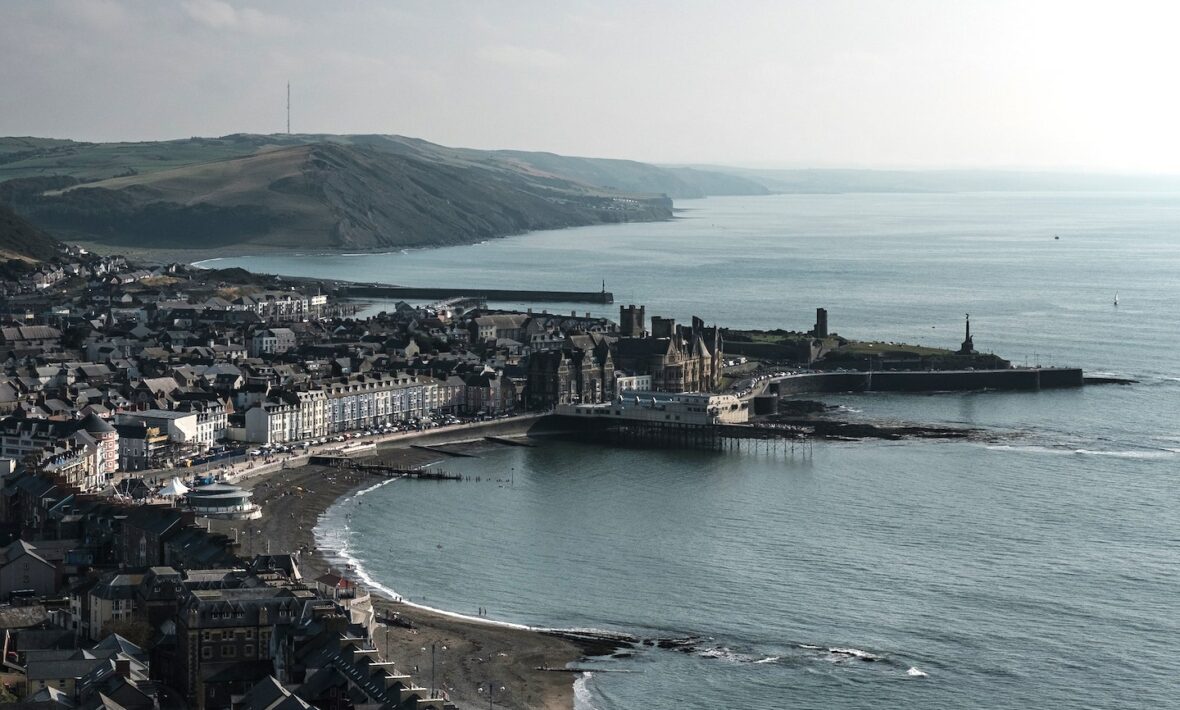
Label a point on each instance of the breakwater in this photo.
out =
(929, 380)
(489, 294)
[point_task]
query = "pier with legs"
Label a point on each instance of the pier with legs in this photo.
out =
(716, 437)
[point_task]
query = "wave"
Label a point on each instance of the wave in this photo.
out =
(854, 653)
(725, 653)
(1162, 454)
(1030, 449)
(1147, 454)
(915, 673)
(583, 698)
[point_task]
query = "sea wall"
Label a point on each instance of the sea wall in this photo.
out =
(929, 381)
(491, 294)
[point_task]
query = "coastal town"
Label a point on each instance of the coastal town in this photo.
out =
(682, 356)
(143, 408)
(153, 416)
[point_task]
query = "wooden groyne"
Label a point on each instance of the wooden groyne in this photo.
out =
(487, 294)
(509, 442)
(444, 452)
(378, 469)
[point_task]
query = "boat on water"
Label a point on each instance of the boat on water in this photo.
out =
(1116, 298)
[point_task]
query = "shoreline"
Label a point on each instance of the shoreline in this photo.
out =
(476, 649)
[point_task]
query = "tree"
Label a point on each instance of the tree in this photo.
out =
(136, 631)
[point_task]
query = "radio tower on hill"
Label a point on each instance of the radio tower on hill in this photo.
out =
(288, 108)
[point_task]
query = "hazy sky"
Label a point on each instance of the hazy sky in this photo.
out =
(896, 83)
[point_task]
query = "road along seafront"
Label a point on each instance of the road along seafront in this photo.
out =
(467, 652)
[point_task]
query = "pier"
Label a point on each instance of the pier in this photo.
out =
(1028, 379)
(716, 437)
(374, 290)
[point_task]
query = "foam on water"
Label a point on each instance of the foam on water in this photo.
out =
(337, 548)
(1147, 455)
(583, 698)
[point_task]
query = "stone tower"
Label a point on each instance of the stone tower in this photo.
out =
(821, 322)
(632, 323)
(662, 327)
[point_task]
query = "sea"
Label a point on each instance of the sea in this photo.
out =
(1035, 567)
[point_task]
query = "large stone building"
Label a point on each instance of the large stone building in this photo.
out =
(678, 358)
(228, 639)
(583, 370)
(588, 366)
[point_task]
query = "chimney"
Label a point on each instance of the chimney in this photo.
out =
(123, 667)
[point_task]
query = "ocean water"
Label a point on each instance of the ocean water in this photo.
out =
(1037, 568)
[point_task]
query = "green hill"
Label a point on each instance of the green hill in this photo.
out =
(21, 240)
(243, 192)
(353, 194)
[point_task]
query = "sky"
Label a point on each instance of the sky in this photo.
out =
(826, 83)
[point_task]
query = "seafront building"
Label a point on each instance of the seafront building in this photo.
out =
(678, 409)
(167, 377)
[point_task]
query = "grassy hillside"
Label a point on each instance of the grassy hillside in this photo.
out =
(244, 192)
(40, 157)
(360, 193)
(21, 240)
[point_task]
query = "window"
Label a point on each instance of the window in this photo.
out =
(229, 651)
(206, 652)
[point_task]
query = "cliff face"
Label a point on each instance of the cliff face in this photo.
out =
(340, 192)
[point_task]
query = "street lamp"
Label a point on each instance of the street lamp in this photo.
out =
(432, 649)
(491, 688)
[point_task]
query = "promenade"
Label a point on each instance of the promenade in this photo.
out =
(239, 469)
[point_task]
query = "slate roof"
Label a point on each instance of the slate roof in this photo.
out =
(18, 549)
(269, 694)
(23, 617)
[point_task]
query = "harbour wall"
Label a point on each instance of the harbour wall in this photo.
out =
(929, 380)
(490, 294)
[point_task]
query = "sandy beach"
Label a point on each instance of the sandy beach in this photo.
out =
(468, 654)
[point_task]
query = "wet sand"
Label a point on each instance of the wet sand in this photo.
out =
(475, 653)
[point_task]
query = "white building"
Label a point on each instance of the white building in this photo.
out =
(271, 341)
(181, 427)
(273, 421)
(356, 403)
(626, 383)
(666, 408)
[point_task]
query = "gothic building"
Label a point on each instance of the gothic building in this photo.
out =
(582, 370)
(677, 358)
